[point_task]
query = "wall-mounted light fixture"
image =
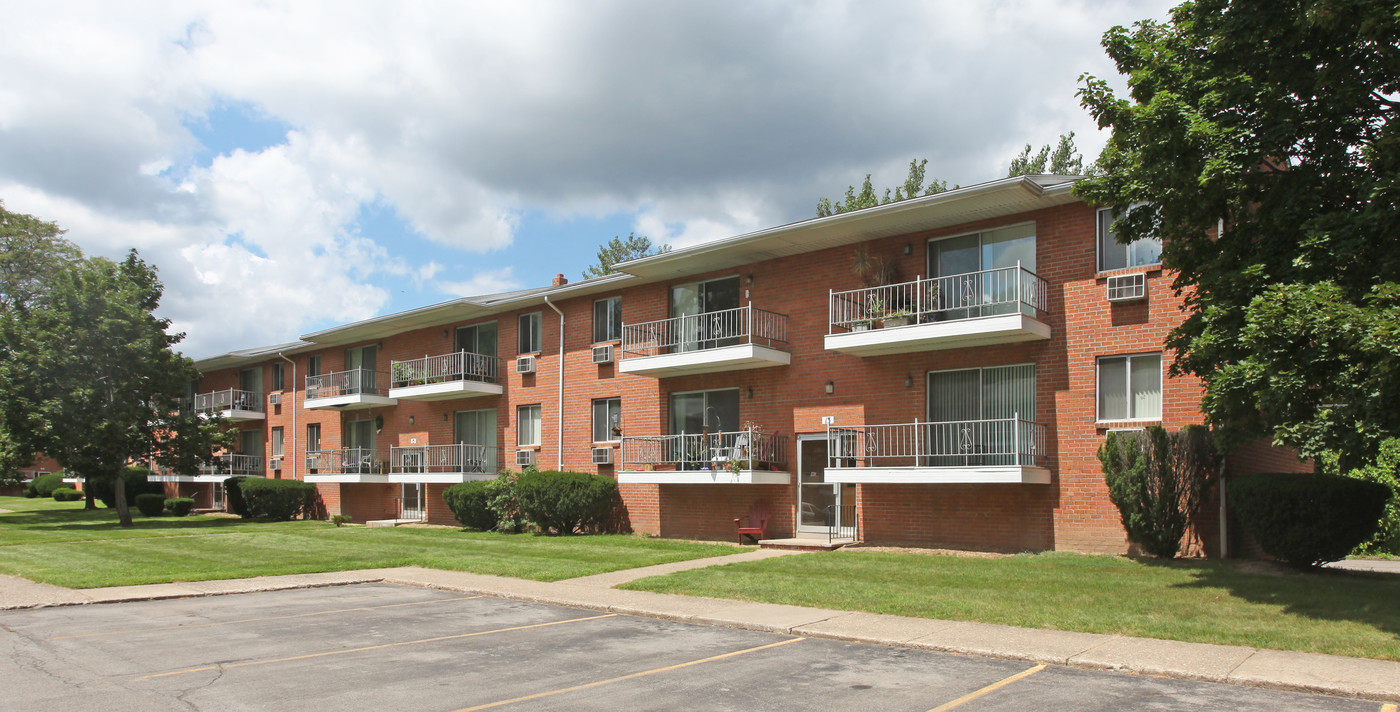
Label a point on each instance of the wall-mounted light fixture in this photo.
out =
(410, 420)
(830, 387)
(444, 417)
(750, 392)
(750, 279)
(908, 249)
(444, 333)
(908, 381)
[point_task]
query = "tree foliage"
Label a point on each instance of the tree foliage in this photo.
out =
(619, 250)
(1063, 160)
(912, 187)
(1275, 119)
(1158, 480)
(87, 369)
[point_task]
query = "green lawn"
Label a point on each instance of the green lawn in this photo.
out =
(1200, 601)
(61, 544)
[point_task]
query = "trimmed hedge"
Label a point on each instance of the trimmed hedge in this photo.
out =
(278, 500)
(103, 487)
(150, 504)
(67, 494)
(233, 496)
(1307, 520)
(567, 502)
(470, 503)
(44, 485)
(179, 506)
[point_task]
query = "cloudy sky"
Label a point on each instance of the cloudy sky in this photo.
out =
(294, 165)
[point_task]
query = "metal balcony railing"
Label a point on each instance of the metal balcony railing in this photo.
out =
(230, 399)
(457, 366)
(233, 464)
(1005, 290)
(740, 450)
(968, 443)
(356, 381)
(698, 332)
(461, 457)
(347, 461)
(841, 522)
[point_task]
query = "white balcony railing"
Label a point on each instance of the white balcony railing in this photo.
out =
(347, 461)
(969, 443)
(230, 399)
(1005, 290)
(457, 366)
(356, 381)
(429, 459)
(744, 450)
(233, 464)
(699, 332)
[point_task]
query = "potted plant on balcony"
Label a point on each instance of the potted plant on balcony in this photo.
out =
(400, 374)
(898, 317)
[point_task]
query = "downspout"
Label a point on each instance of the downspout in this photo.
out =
(294, 412)
(1224, 519)
(559, 435)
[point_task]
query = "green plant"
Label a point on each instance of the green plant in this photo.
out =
(1157, 480)
(340, 519)
(470, 503)
(136, 484)
(179, 506)
(233, 496)
(567, 502)
(150, 504)
(505, 502)
(401, 373)
(1386, 471)
(67, 494)
(1305, 519)
(44, 485)
(278, 500)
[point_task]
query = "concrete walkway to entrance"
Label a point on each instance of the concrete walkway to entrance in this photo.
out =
(1328, 674)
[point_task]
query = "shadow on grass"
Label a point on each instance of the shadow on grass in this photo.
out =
(1365, 597)
(106, 519)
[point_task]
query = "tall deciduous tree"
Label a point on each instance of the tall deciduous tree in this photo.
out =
(619, 250)
(89, 374)
(1275, 119)
(912, 187)
(1063, 159)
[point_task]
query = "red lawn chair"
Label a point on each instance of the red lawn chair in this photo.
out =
(755, 526)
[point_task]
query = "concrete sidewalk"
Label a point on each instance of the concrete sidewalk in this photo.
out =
(1328, 674)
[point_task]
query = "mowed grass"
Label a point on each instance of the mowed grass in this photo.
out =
(66, 546)
(1335, 612)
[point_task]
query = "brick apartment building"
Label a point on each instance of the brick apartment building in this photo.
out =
(956, 400)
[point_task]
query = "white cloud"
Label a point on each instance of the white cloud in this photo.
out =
(482, 282)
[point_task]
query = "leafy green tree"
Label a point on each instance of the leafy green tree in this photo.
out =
(1276, 120)
(619, 250)
(1063, 160)
(912, 187)
(89, 374)
(1158, 480)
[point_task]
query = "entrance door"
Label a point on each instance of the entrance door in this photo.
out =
(359, 444)
(361, 363)
(814, 493)
(250, 443)
(476, 432)
(414, 504)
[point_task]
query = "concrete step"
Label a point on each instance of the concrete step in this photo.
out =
(804, 544)
(391, 522)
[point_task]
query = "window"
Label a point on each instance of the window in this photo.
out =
(976, 273)
(1130, 387)
(476, 432)
(477, 339)
(528, 426)
(313, 437)
(607, 319)
(702, 411)
(1115, 255)
(607, 420)
(692, 332)
(531, 335)
(313, 365)
(976, 415)
(364, 360)
(278, 377)
(277, 442)
(251, 380)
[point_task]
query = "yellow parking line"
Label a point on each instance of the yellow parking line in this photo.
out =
(255, 620)
(644, 673)
(989, 688)
(1389, 708)
(372, 647)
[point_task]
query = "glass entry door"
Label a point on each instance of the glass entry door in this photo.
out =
(815, 496)
(476, 431)
(413, 506)
(690, 303)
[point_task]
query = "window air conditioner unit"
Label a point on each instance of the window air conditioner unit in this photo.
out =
(524, 458)
(1127, 287)
(602, 455)
(274, 399)
(275, 463)
(525, 364)
(603, 354)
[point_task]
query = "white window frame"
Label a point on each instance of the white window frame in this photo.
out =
(536, 332)
(279, 442)
(1105, 232)
(537, 431)
(613, 312)
(313, 365)
(1128, 393)
(607, 419)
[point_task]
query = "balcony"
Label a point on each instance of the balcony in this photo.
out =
(995, 306)
(355, 389)
(746, 457)
(729, 340)
(442, 464)
(233, 404)
(445, 377)
(219, 469)
(349, 464)
(1003, 451)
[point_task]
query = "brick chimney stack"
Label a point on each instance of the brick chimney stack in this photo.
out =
(560, 280)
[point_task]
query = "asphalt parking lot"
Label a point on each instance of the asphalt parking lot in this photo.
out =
(377, 647)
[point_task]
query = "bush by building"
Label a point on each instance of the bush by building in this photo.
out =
(44, 485)
(179, 506)
(567, 502)
(470, 503)
(277, 500)
(1306, 519)
(1157, 480)
(150, 504)
(233, 496)
(103, 486)
(67, 494)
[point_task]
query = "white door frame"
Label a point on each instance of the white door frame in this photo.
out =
(835, 487)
